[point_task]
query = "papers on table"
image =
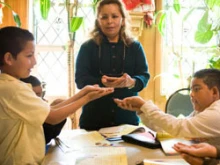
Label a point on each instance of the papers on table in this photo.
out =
(90, 148)
(93, 156)
(165, 162)
(84, 139)
(102, 156)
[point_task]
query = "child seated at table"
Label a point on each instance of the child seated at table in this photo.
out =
(50, 131)
(22, 113)
(201, 125)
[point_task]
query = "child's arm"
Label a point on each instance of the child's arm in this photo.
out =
(133, 103)
(66, 108)
(77, 96)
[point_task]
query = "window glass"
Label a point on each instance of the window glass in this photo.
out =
(181, 54)
(52, 38)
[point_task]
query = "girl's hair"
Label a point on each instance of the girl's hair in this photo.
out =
(211, 77)
(125, 33)
(34, 81)
(13, 40)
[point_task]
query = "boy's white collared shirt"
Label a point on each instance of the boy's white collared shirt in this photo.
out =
(22, 114)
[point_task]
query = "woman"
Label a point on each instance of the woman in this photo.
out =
(111, 58)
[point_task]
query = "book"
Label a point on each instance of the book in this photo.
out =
(167, 145)
(145, 139)
(118, 131)
(140, 135)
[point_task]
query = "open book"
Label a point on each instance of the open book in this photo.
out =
(118, 131)
(140, 135)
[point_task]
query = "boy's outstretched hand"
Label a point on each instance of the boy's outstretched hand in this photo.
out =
(131, 103)
(94, 92)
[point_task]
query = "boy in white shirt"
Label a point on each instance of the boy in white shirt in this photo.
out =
(202, 124)
(22, 113)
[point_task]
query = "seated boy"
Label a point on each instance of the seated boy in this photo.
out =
(22, 113)
(50, 131)
(202, 124)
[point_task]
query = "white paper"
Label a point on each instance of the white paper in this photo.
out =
(165, 162)
(167, 145)
(102, 156)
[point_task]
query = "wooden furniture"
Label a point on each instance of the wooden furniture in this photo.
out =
(135, 154)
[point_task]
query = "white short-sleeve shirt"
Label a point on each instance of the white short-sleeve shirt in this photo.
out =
(22, 115)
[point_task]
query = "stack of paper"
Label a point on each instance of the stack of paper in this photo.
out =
(167, 145)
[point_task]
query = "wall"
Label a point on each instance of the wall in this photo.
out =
(151, 41)
(21, 8)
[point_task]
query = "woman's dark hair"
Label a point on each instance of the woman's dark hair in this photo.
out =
(12, 40)
(211, 77)
(125, 33)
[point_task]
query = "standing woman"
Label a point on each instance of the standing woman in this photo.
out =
(111, 58)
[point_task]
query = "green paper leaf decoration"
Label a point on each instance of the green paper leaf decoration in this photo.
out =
(211, 3)
(75, 23)
(176, 6)
(16, 19)
(203, 37)
(162, 23)
(203, 24)
(214, 62)
(44, 8)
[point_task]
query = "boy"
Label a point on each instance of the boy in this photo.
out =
(22, 113)
(202, 124)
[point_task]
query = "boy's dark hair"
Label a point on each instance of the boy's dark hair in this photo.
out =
(211, 77)
(34, 81)
(13, 40)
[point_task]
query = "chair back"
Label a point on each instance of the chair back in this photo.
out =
(179, 103)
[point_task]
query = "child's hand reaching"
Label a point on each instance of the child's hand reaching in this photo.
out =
(87, 89)
(131, 103)
(96, 92)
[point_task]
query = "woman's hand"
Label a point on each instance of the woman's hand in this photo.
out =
(118, 82)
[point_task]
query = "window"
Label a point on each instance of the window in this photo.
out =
(182, 55)
(51, 36)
